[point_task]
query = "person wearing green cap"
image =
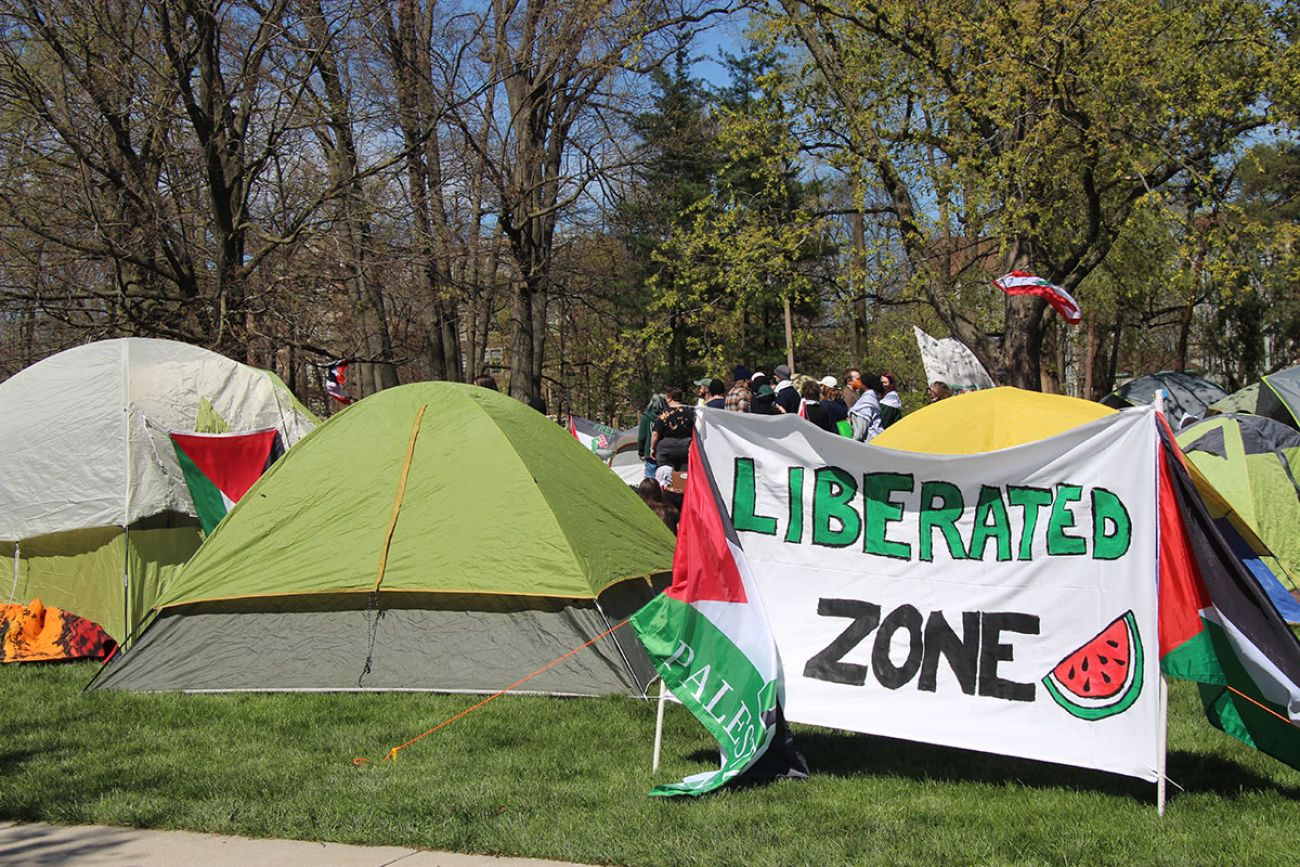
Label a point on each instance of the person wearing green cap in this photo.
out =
(701, 390)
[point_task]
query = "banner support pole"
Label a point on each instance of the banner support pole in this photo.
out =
(1163, 734)
(659, 727)
(1163, 749)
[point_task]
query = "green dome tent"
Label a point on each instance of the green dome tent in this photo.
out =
(434, 536)
(95, 514)
(1275, 396)
(1254, 464)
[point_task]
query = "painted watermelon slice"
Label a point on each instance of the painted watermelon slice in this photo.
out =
(1104, 676)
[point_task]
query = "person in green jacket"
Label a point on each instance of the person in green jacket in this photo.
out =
(658, 404)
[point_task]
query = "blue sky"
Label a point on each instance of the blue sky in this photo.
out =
(727, 36)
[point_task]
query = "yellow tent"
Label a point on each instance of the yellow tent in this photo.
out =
(988, 420)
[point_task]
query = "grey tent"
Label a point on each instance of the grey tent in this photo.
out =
(1187, 397)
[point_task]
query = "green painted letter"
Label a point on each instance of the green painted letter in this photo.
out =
(943, 516)
(833, 494)
(744, 499)
(794, 528)
(1108, 508)
(1030, 500)
(881, 511)
(1062, 519)
(999, 527)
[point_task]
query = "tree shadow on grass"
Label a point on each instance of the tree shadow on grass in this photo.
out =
(62, 797)
(842, 754)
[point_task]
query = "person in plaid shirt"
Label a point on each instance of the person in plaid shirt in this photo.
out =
(739, 397)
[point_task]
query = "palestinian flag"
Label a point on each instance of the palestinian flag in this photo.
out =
(593, 435)
(709, 638)
(1024, 283)
(219, 468)
(1218, 626)
(336, 377)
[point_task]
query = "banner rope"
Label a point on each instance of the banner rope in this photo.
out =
(392, 753)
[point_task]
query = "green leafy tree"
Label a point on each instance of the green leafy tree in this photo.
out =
(755, 240)
(1025, 134)
(1253, 267)
(675, 166)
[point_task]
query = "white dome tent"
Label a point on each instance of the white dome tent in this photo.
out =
(94, 511)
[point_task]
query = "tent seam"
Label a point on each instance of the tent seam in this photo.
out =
(440, 591)
(550, 509)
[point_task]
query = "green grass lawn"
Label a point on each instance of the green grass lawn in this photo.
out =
(567, 779)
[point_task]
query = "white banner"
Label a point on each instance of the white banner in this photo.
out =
(1002, 602)
(951, 362)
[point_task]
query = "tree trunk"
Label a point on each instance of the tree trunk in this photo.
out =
(860, 311)
(1184, 335)
(405, 44)
(373, 341)
(789, 333)
(1092, 357)
(522, 347)
(1019, 361)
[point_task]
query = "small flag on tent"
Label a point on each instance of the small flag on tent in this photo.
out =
(709, 638)
(220, 468)
(593, 435)
(1024, 283)
(1218, 627)
(336, 376)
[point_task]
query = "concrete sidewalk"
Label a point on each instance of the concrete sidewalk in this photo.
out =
(38, 845)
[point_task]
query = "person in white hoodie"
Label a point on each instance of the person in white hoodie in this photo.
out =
(864, 416)
(891, 406)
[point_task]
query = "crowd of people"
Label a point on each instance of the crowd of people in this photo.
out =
(855, 405)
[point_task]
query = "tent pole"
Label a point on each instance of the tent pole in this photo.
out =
(627, 663)
(659, 727)
(1163, 748)
(126, 498)
(14, 589)
(126, 583)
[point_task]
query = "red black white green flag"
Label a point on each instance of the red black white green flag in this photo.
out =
(594, 436)
(336, 378)
(220, 468)
(709, 638)
(1024, 283)
(1218, 627)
